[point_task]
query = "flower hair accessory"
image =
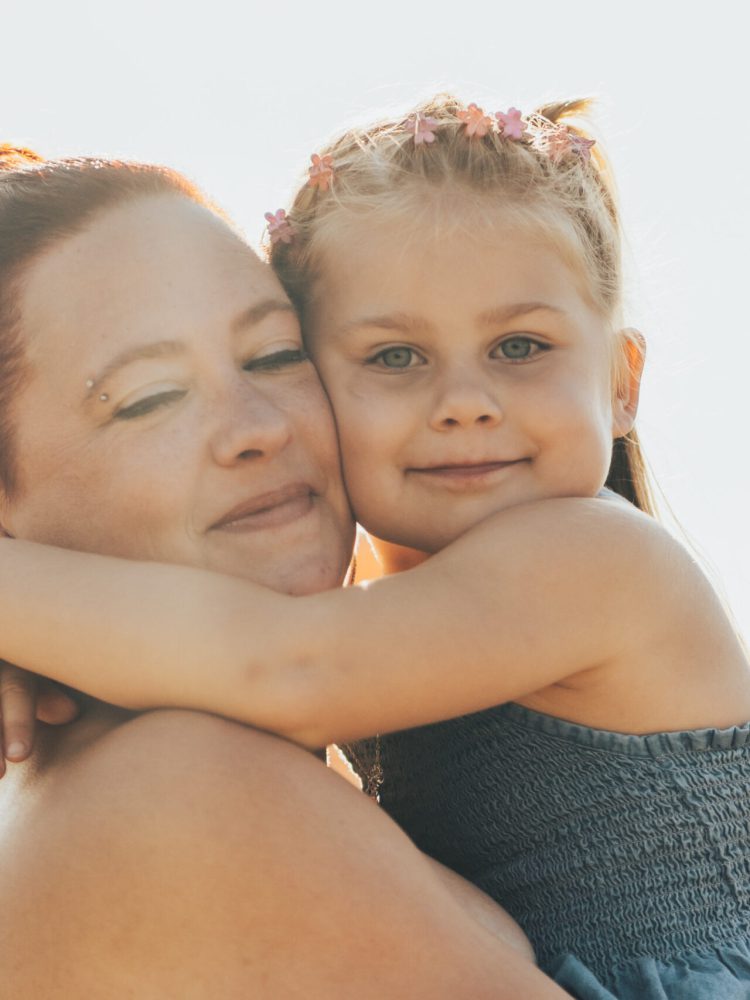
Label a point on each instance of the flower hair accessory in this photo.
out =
(321, 171)
(511, 124)
(280, 228)
(476, 122)
(558, 141)
(580, 146)
(422, 128)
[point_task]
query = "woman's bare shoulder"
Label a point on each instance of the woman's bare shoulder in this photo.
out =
(135, 849)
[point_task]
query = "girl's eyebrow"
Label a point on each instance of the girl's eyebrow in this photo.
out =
(171, 348)
(404, 323)
(504, 313)
(401, 322)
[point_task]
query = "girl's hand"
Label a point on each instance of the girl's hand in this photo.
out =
(25, 697)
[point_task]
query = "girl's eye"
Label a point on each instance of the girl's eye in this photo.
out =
(148, 404)
(396, 357)
(276, 361)
(519, 348)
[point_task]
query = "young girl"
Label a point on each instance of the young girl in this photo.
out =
(459, 279)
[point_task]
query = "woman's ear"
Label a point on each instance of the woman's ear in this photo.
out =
(628, 381)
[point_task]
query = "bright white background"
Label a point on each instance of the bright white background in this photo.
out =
(237, 95)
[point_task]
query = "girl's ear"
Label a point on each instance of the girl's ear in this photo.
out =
(628, 381)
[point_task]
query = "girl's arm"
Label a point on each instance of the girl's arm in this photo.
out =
(529, 597)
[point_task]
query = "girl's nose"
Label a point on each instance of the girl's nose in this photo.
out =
(248, 425)
(465, 403)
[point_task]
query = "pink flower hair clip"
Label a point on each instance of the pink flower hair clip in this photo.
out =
(321, 171)
(559, 141)
(422, 128)
(562, 141)
(476, 122)
(280, 228)
(580, 146)
(511, 124)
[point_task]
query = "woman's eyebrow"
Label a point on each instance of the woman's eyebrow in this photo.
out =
(172, 348)
(259, 312)
(156, 349)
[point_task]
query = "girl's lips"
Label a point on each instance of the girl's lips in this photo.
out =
(468, 469)
(269, 510)
(461, 476)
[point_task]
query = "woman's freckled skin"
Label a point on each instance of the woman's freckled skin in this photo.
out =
(226, 429)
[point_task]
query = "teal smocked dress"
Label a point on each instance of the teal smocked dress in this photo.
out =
(625, 859)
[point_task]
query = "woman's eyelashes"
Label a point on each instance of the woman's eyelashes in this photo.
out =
(273, 362)
(277, 360)
(516, 348)
(148, 404)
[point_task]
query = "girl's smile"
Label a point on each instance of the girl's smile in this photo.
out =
(465, 475)
(462, 381)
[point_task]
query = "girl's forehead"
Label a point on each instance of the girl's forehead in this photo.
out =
(476, 248)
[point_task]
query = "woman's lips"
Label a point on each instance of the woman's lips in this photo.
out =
(268, 510)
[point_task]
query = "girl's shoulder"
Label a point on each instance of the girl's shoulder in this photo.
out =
(605, 527)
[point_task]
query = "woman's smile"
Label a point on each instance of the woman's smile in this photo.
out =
(205, 437)
(269, 510)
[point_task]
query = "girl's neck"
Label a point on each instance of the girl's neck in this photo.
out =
(376, 557)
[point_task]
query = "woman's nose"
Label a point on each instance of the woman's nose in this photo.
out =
(249, 425)
(465, 401)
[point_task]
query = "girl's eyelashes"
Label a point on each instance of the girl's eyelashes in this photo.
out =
(148, 404)
(396, 358)
(519, 347)
(277, 360)
(516, 348)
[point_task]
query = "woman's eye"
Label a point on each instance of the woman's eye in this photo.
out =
(396, 357)
(148, 404)
(277, 360)
(519, 348)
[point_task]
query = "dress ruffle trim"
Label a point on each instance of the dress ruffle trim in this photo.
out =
(648, 745)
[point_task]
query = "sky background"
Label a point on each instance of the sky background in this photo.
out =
(237, 96)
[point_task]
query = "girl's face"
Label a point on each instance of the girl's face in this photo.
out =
(170, 413)
(465, 377)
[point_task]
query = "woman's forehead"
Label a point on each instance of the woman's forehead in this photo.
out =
(142, 268)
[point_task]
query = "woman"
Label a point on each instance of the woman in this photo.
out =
(174, 854)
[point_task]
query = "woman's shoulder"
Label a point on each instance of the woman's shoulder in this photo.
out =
(137, 843)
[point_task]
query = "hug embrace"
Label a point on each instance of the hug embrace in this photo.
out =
(542, 695)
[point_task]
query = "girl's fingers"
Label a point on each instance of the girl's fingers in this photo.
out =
(18, 707)
(54, 705)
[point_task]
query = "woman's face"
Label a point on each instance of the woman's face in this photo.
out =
(171, 414)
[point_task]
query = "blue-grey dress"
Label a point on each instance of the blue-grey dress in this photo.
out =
(625, 859)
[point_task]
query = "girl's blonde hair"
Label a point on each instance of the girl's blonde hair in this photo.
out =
(381, 171)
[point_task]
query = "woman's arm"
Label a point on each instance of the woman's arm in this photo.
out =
(527, 598)
(24, 699)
